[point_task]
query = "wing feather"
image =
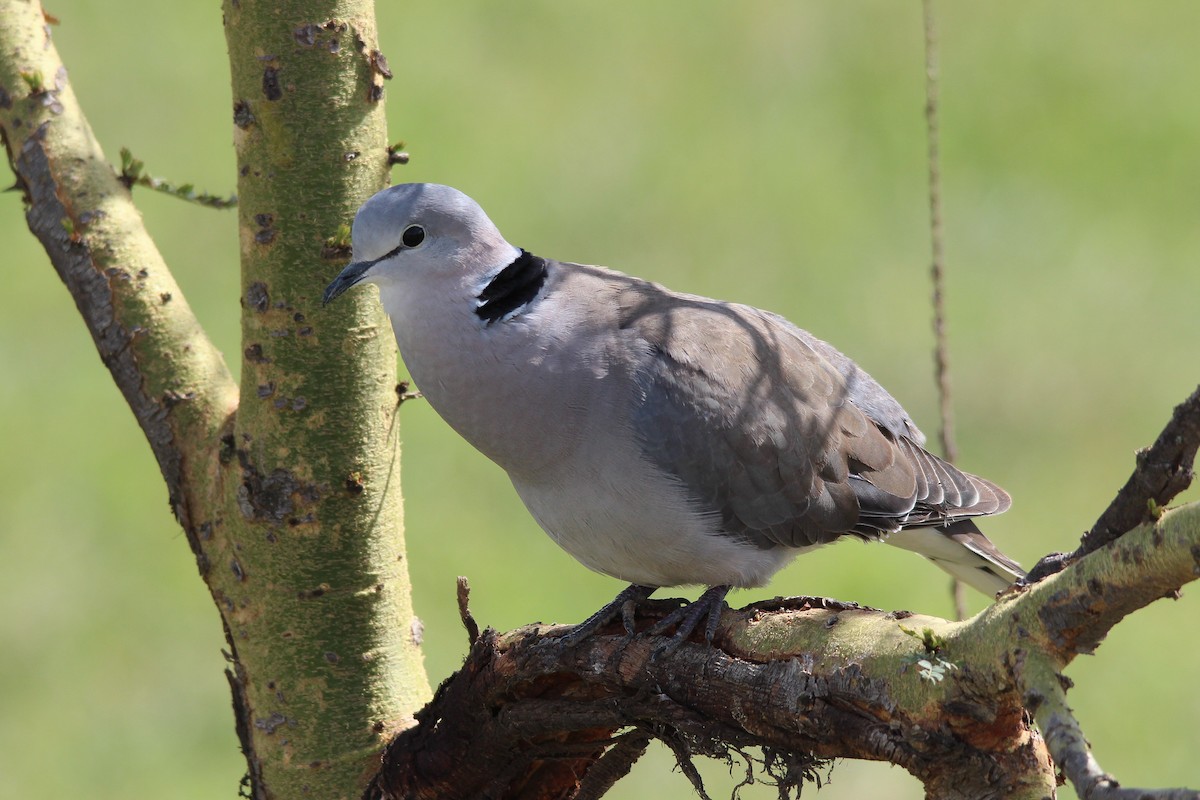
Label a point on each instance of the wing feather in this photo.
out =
(777, 434)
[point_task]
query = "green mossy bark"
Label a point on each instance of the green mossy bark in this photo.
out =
(1007, 660)
(291, 501)
(173, 378)
(309, 564)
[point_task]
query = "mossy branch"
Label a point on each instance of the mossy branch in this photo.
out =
(173, 378)
(327, 658)
(805, 680)
(291, 502)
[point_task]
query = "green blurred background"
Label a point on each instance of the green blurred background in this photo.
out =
(771, 153)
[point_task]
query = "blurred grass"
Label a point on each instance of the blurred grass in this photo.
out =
(761, 152)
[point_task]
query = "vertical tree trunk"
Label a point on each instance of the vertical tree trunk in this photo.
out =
(309, 566)
(291, 502)
(290, 494)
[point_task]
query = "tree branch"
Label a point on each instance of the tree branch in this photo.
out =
(522, 693)
(1077, 607)
(1164, 470)
(1070, 749)
(291, 505)
(810, 680)
(174, 380)
(316, 594)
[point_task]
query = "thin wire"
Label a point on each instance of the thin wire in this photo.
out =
(941, 352)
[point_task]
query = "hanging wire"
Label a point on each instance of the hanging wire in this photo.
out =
(941, 351)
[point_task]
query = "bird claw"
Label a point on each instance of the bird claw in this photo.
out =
(622, 605)
(686, 618)
(683, 619)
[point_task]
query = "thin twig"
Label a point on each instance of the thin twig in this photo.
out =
(937, 262)
(132, 173)
(1163, 470)
(464, 610)
(941, 351)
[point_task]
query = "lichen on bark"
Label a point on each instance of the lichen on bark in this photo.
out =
(289, 489)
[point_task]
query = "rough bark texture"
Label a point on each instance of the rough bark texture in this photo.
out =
(805, 680)
(309, 564)
(1163, 470)
(290, 501)
(527, 718)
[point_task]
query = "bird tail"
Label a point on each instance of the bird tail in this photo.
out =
(962, 550)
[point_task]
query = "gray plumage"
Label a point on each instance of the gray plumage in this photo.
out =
(661, 438)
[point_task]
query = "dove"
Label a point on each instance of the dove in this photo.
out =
(661, 438)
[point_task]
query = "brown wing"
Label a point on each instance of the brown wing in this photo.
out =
(769, 436)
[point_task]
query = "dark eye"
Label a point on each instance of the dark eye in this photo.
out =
(413, 235)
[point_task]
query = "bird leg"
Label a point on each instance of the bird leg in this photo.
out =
(632, 594)
(686, 619)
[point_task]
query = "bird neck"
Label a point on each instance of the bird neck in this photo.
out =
(480, 376)
(512, 288)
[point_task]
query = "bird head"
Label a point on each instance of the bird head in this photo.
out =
(419, 232)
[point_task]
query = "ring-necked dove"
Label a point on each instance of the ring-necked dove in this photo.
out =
(658, 437)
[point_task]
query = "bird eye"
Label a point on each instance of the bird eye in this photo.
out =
(413, 235)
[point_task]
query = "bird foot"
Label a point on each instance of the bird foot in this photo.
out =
(685, 619)
(623, 605)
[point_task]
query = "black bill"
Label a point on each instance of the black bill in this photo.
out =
(352, 274)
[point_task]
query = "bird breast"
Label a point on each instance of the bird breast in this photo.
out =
(520, 390)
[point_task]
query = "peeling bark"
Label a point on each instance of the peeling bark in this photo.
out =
(291, 504)
(525, 705)
(806, 678)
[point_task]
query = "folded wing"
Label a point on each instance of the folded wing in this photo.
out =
(780, 436)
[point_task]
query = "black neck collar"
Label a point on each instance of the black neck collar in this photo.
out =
(513, 287)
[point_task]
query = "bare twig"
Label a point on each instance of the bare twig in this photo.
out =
(464, 610)
(1163, 470)
(937, 250)
(404, 393)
